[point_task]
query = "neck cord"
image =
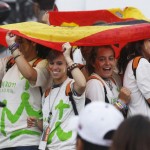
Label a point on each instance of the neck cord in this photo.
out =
(109, 83)
(50, 109)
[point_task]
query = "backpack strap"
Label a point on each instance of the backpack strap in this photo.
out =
(10, 63)
(69, 93)
(135, 64)
(47, 92)
(36, 62)
(105, 91)
(134, 67)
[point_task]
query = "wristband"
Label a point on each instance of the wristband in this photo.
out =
(123, 104)
(13, 47)
(73, 66)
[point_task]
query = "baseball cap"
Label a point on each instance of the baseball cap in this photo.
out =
(96, 120)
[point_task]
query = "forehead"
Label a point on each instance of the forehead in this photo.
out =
(105, 51)
(57, 58)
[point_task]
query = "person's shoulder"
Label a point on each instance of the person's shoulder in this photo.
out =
(42, 63)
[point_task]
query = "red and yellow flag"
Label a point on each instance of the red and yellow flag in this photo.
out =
(87, 18)
(55, 36)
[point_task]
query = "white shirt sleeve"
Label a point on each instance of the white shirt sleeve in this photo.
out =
(3, 62)
(143, 77)
(95, 90)
(43, 76)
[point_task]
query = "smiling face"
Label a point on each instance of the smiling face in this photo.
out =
(104, 62)
(58, 69)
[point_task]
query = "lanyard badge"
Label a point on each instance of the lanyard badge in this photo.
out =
(44, 138)
(46, 131)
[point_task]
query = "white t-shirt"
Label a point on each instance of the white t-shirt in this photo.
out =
(61, 137)
(140, 88)
(95, 90)
(22, 100)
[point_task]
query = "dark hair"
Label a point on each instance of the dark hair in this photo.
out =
(93, 55)
(132, 134)
(128, 52)
(42, 51)
(53, 54)
(90, 146)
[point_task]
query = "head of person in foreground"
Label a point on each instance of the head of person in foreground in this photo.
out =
(132, 134)
(96, 125)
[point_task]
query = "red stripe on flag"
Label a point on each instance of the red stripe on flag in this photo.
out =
(83, 18)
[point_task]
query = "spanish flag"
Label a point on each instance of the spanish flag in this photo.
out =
(87, 18)
(55, 36)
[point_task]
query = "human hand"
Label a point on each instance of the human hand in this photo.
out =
(10, 38)
(125, 95)
(31, 122)
(66, 48)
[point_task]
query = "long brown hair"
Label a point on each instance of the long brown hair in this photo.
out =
(132, 134)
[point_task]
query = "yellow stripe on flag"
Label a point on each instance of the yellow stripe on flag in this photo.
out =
(56, 34)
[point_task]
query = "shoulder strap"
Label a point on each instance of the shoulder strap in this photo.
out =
(10, 63)
(135, 64)
(105, 91)
(36, 62)
(34, 65)
(134, 67)
(69, 93)
(47, 92)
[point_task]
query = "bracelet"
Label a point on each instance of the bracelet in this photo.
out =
(123, 104)
(73, 66)
(16, 56)
(13, 47)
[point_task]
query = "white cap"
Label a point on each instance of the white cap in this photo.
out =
(96, 120)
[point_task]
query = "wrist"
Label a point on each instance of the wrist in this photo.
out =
(72, 67)
(120, 105)
(36, 122)
(69, 61)
(16, 53)
(13, 47)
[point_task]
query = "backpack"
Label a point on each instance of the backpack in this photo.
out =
(105, 91)
(134, 67)
(135, 64)
(68, 92)
(11, 62)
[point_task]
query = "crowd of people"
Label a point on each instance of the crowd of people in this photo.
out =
(43, 93)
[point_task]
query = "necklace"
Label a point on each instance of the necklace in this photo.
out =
(109, 83)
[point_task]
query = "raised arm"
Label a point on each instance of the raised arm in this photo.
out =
(80, 81)
(21, 57)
